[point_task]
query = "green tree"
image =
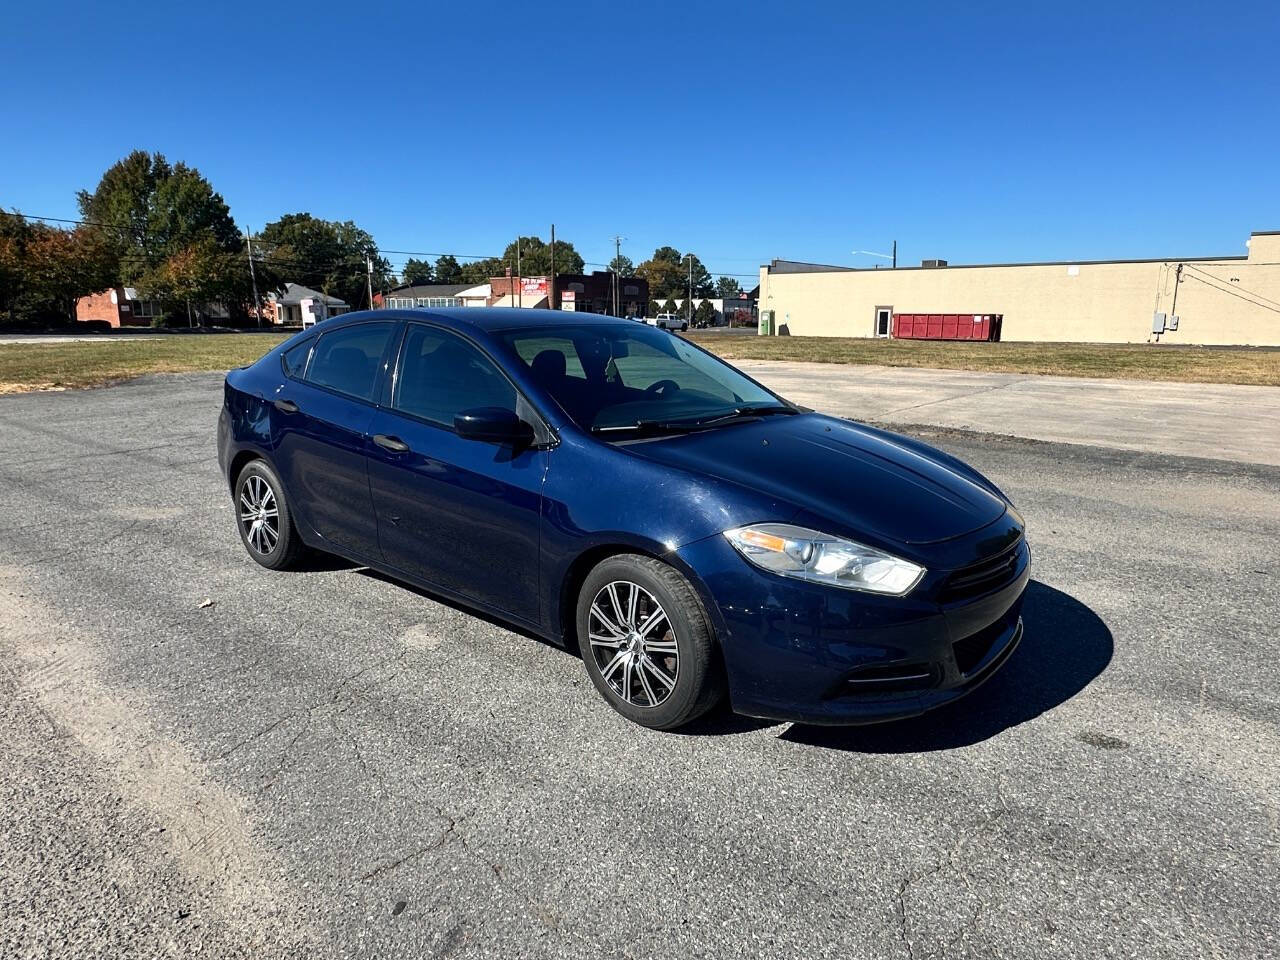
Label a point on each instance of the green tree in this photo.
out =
(448, 270)
(705, 315)
(328, 255)
(664, 271)
(15, 232)
(703, 286)
(197, 274)
(655, 308)
(150, 209)
(535, 258)
(479, 271)
(417, 271)
(44, 270)
(622, 265)
(670, 307)
(728, 287)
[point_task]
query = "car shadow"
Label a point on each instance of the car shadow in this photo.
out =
(1065, 645)
(460, 607)
(315, 561)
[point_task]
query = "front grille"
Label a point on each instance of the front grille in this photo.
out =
(985, 576)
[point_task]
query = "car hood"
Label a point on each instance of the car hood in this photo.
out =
(859, 479)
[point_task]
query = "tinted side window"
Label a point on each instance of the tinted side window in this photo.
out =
(347, 360)
(441, 375)
(294, 360)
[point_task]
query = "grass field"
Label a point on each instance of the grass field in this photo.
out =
(55, 366)
(1125, 361)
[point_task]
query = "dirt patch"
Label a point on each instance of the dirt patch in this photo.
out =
(206, 825)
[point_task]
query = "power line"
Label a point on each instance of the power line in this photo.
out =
(1220, 280)
(1233, 293)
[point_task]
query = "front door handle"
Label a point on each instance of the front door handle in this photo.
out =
(286, 406)
(394, 444)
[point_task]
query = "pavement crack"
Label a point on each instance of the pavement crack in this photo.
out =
(959, 396)
(948, 861)
(440, 841)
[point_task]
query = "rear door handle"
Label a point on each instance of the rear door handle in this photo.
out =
(286, 406)
(394, 444)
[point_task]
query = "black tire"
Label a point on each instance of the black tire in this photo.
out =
(281, 551)
(698, 675)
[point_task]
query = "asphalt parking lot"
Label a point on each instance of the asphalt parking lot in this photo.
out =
(197, 755)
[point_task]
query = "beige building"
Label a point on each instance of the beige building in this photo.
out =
(1217, 300)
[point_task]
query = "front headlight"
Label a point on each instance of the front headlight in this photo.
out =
(821, 558)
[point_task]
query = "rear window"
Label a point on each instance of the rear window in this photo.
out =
(347, 360)
(294, 360)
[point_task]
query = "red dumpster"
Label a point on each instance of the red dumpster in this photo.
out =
(947, 326)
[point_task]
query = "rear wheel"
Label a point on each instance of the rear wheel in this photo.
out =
(263, 518)
(647, 643)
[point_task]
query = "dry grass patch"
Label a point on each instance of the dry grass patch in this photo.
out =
(26, 367)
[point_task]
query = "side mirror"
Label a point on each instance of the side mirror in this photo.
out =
(492, 425)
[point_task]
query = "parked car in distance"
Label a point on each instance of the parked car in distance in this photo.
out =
(614, 488)
(670, 321)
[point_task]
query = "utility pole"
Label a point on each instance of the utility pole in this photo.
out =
(895, 254)
(368, 263)
(617, 255)
(253, 277)
(519, 282)
(551, 293)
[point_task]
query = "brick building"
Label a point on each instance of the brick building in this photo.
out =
(119, 306)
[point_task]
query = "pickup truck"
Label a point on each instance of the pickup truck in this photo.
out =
(669, 321)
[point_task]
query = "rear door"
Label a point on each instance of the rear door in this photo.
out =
(461, 514)
(322, 418)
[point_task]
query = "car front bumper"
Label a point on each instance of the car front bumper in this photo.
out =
(813, 654)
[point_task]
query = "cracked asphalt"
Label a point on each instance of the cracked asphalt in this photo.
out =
(200, 756)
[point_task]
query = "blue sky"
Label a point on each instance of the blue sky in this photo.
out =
(741, 131)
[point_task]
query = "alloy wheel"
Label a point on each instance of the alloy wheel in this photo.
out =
(633, 643)
(259, 514)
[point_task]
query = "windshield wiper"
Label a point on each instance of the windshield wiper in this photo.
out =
(664, 426)
(742, 413)
(748, 412)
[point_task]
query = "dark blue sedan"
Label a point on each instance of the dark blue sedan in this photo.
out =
(610, 486)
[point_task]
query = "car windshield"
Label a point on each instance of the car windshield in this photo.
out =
(618, 378)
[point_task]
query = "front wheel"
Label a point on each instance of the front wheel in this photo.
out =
(647, 643)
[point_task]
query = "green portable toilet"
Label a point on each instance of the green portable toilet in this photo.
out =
(766, 323)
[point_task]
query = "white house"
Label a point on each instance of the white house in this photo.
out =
(301, 305)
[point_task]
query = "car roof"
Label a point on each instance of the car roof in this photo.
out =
(486, 319)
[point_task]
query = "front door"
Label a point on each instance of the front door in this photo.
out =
(884, 316)
(460, 514)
